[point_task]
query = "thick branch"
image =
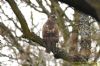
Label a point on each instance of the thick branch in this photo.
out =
(23, 23)
(90, 7)
(55, 8)
(58, 53)
(20, 17)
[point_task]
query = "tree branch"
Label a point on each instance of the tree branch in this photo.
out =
(4, 31)
(20, 17)
(42, 6)
(90, 7)
(23, 23)
(58, 53)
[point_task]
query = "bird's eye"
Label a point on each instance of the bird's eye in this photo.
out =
(54, 16)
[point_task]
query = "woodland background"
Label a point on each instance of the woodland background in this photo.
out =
(21, 41)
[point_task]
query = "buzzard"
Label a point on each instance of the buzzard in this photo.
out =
(50, 33)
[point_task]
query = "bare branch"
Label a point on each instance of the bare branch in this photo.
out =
(42, 6)
(11, 19)
(4, 31)
(20, 17)
(58, 53)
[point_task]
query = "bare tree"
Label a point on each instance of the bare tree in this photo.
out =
(28, 49)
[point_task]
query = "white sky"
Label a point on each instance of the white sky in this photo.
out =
(39, 19)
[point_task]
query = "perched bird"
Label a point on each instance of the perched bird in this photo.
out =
(50, 33)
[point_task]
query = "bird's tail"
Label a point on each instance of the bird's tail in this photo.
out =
(48, 46)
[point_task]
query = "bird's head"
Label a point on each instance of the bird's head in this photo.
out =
(52, 17)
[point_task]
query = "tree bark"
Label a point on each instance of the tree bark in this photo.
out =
(90, 7)
(59, 53)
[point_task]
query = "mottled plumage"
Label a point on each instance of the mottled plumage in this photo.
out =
(50, 33)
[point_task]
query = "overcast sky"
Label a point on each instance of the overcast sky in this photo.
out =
(39, 20)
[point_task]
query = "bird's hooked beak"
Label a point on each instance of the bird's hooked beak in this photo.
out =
(54, 17)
